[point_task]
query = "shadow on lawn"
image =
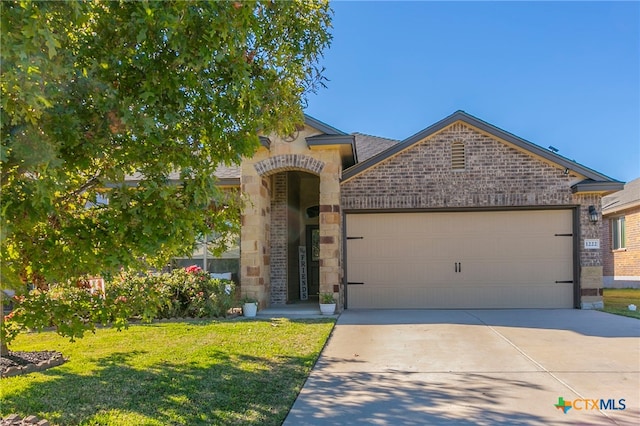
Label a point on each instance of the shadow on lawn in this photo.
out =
(216, 393)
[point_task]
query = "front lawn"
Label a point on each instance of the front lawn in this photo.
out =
(617, 300)
(182, 373)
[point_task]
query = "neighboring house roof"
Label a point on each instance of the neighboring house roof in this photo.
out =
(228, 175)
(368, 146)
(628, 198)
(594, 181)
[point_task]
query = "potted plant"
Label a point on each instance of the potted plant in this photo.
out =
(249, 306)
(327, 304)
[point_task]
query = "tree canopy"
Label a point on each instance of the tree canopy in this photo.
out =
(95, 91)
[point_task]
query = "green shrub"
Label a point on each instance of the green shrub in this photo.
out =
(185, 292)
(72, 309)
(193, 293)
(68, 307)
(136, 295)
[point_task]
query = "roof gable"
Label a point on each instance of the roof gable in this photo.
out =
(589, 174)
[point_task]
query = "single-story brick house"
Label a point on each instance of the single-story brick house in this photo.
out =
(621, 237)
(460, 215)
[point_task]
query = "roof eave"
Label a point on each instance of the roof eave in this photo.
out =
(227, 182)
(600, 187)
(608, 210)
(345, 143)
(485, 127)
(323, 127)
(531, 147)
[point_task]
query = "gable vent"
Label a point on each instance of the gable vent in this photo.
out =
(458, 159)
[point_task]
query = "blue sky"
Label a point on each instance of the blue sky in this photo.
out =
(565, 74)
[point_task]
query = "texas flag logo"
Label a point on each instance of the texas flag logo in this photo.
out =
(563, 405)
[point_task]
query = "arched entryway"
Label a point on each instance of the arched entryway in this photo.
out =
(285, 192)
(295, 238)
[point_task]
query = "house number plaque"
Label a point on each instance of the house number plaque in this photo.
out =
(592, 244)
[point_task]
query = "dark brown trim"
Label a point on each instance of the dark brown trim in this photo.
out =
(320, 140)
(228, 182)
(592, 186)
(346, 143)
(323, 127)
(463, 209)
(577, 299)
(345, 272)
(265, 141)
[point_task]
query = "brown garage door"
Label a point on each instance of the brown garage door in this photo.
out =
(505, 259)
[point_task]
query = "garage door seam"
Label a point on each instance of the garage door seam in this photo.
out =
(559, 380)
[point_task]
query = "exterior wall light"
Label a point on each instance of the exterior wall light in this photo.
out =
(593, 214)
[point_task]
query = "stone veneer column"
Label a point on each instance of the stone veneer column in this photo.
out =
(255, 238)
(331, 232)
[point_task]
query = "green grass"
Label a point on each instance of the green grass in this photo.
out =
(617, 300)
(245, 372)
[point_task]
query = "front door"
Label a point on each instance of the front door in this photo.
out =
(313, 259)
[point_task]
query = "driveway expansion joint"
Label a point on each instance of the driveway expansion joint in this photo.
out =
(536, 363)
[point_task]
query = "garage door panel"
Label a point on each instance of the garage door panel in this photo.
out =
(384, 274)
(508, 259)
(500, 271)
(459, 297)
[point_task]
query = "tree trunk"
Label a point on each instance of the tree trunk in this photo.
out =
(4, 350)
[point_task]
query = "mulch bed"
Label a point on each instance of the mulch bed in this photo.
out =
(18, 362)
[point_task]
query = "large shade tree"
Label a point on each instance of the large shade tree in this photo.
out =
(93, 92)
(96, 92)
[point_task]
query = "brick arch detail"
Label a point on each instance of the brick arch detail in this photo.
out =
(289, 162)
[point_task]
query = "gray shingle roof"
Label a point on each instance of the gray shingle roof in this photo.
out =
(368, 146)
(591, 176)
(627, 198)
(227, 172)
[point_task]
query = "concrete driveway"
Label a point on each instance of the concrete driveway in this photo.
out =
(475, 367)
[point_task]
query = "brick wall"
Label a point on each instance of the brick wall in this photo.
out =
(496, 174)
(622, 265)
(279, 246)
(589, 230)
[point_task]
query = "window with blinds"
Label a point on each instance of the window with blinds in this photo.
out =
(458, 158)
(618, 237)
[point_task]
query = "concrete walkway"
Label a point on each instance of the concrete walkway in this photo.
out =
(474, 367)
